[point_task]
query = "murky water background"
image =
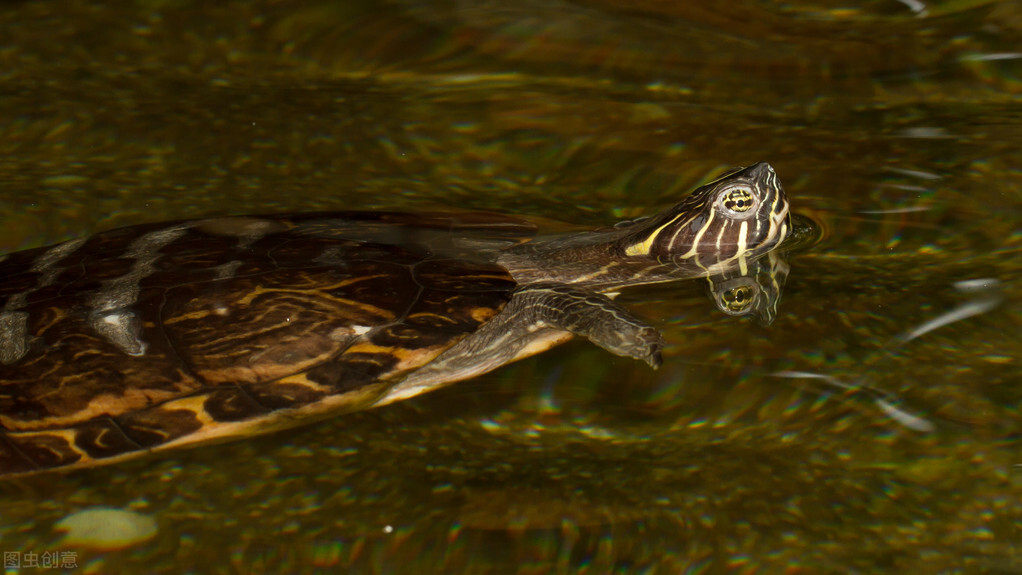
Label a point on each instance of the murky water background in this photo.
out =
(896, 125)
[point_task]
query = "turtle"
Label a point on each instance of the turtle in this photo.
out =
(165, 335)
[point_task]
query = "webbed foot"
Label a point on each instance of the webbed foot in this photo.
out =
(595, 317)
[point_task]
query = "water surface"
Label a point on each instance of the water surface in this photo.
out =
(896, 126)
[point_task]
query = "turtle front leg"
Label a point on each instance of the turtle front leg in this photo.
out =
(537, 317)
(590, 315)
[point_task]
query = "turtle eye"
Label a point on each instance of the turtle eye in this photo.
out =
(738, 299)
(737, 200)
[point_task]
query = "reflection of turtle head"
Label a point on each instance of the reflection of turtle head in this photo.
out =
(740, 215)
(755, 293)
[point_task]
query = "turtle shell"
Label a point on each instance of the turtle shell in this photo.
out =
(160, 335)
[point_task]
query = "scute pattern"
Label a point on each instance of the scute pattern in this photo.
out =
(71, 370)
(159, 424)
(238, 319)
(102, 438)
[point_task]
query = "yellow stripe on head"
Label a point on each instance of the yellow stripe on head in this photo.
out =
(645, 246)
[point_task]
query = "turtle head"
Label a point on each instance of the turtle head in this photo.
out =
(740, 215)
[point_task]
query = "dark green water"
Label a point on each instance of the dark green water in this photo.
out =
(897, 126)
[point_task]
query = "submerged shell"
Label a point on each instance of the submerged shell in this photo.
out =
(158, 335)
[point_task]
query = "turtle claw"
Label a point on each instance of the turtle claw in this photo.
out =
(655, 359)
(653, 345)
(638, 342)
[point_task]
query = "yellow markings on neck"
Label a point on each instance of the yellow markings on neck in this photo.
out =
(644, 247)
(598, 273)
(739, 256)
(699, 235)
(743, 232)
